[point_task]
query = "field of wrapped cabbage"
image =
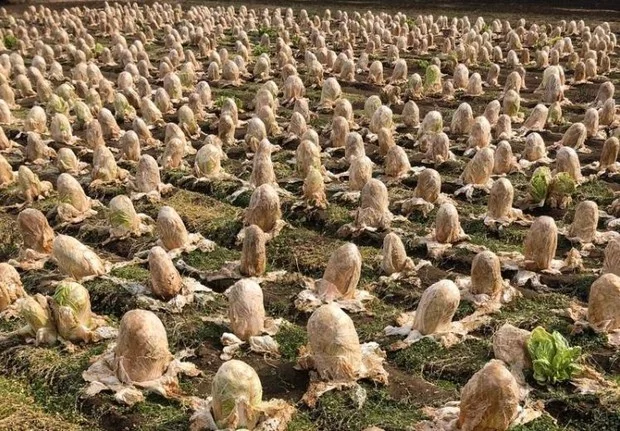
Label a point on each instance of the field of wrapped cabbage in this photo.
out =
(273, 219)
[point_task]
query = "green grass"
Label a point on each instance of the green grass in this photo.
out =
(20, 411)
(336, 410)
(290, 338)
(54, 377)
(10, 41)
(455, 364)
(132, 273)
(9, 238)
(509, 239)
(595, 190)
(213, 260)
(528, 313)
(544, 423)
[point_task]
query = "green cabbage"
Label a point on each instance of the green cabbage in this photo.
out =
(74, 296)
(563, 184)
(432, 78)
(539, 184)
(553, 359)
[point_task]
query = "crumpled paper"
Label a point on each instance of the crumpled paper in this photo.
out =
(264, 344)
(275, 415)
(152, 196)
(190, 291)
(146, 226)
(357, 228)
(446, 418)
(590, 381)
(29, 259)
(280, 224)
(456, 333)
(407, 273)
(468, 189)
(515, 216)
(436, 249)
(411, 205)
(600, 238)
(579, 315)
(68, 214)
(259, 344)
(483, 301)
(102, 375)
(371, 368)
(309, 299)
(516, 261)
(229, 271)
(196, 242)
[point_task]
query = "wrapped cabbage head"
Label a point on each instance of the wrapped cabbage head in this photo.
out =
(490, 399)
(254, 253)
(246, 310)
(141, 353)
(374, 206)
(237, 395)
(437, 307)
(342, 273)
(604, 303)
(11, 287)
(394, 255)
(171, 229)
(428, 186)
(123, 217)
(486, 274)
(541, 243)
(585, 222)
(447, 224)
(36, 312)
(70, 307)
(165, 280)
(36, 232)
(264, 208)
(75, 259)
(611, 263)
(334, 344)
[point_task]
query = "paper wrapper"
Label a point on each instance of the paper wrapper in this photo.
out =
(29, 259)
(153, 195)
(264, 344)
(309, 299)
(229, 271)
(590, 381)
(371, 368)
(280, 224)
(516, 261)
(195, 242)
(579, 315)
(436, 250)
(415, 204)
(468, 189)
(191, 291)
(146, 226)
(103, 375)
(275, 415)
(515, 216)
(406, 274)
(457, 332)
(446, 418)
(483, 301)
(600, 238)
(347, 197)
(68, 214)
